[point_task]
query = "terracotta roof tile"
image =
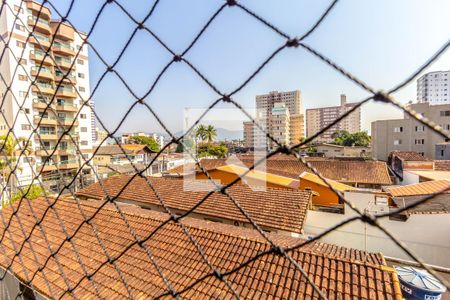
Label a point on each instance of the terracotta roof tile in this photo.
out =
(409, 155)
(442, 165)
(274, 208)
(419, 189)
(353, 171)
(267, 277)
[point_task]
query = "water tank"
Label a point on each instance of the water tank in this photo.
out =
(419, 284)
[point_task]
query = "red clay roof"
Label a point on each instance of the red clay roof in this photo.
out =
(339, 272)
(354, 171)
(273, 208)
(409, 155)
(419, 189)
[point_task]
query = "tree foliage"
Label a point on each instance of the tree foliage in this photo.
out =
(205, 133)
(345, 138)
(219, 151)
(145, 140)
(31, 192)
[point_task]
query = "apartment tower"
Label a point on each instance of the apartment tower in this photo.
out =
(434, 88)
(279, 113)
(319, 118)
(34, 85)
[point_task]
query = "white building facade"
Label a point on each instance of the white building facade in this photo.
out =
(434, 88)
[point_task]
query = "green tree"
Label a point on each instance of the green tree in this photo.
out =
(189, 143)
(31, 192)
(210, 133)
(200, 133)
(344, 138)
(145, 140)
(219, 151)
(8, 161)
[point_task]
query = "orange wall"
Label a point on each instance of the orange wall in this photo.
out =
(226, 178)
(326, 196)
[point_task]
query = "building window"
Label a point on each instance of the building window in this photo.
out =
(20, 44)
(23, 61)
(398, 129)
(81, 89)
(23, 77)
(27, 110)
(26, 127)
(19, 27)
(82, 116)
(442, 152)
(419, 141)
(83, 129)
(80, 61)
(397, 142)
(22, 93)
(445, 113)
(420, 128)
(84, 143)
(80, 75)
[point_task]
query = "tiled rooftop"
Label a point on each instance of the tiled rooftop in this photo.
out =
(418, 189)
(275, 208)
(339, 272)
(354, 171)
(442, 165)
(409, 155)
(115, 149)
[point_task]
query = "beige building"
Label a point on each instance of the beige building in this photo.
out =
(281, 115)
(331, 150)
(49, 76)
(408, 134)
(319, 118)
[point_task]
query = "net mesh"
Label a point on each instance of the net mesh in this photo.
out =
(67, 181)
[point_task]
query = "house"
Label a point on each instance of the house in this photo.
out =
(402, 161)
(324, 197)
(166, 257)
(275, 210)
(355, 172)
(111, 159)
(332, 150)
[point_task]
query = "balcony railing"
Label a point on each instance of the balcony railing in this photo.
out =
(63, 45)
(63, 59)
(39, 20)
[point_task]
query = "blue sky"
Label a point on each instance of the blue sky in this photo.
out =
(381, 42)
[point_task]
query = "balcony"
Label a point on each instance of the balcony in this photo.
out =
(63, 48)
(65, 31)
(68, 164)
(60, 150)
(42, 25)
(59, 76)
(46, 135)
(64, 62)
(66, 107)
(40, 41)
(43, 88)
(67, 121)
(48, 120)
(38, 57)
(41, 103)
(47, 167)
(44, 73)
(37, 7)
(65, 91)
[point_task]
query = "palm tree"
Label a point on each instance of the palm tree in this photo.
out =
(10, 147)
(200, 132)
(210, 133)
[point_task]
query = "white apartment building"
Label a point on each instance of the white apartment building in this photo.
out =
(268, 104)
(36, 89)
(434, 88)
(319, 118)
(279, 123)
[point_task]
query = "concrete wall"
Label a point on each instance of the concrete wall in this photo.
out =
(427, 235)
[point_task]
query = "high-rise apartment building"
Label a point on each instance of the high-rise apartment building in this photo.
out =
(45, 91)
(277, 113)
(249, 130)
(434, 88)
(407, 134)
(319, 118)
